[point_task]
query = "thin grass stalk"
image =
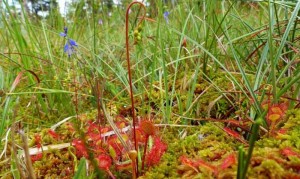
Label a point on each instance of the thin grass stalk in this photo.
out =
(253, 138)
(241, 162)
(293, 80)
(15, 151)
(177, 65)
(242, 71)
(31, 174)
(271, 53)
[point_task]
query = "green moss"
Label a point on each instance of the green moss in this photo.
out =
(268, 168)
(268, 142)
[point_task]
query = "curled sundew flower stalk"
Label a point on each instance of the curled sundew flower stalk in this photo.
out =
(129, 70)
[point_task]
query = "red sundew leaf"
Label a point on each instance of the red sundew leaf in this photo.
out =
(38, 140)
(156, 152)
(275, 113)
(53, 134)
(289, 152)
(183, 159)
(235, 134)
(36, 157)
(202, 164)
(104, 161)
(199, 163)
(282, 131)
(228, 161)
(80, 148)
(189, 162)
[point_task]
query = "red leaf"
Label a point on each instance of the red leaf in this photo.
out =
(38, 140)
(104, 161)
(228, 161)
(36, 157)
(53, 134)
(235, 134)
(289, 152)
(80, 148)
(156, 152)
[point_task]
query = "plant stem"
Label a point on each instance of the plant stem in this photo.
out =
(253, 138)
(27, 155)
(241, 163)
(129, 71)
(270, 41)
(145, 150)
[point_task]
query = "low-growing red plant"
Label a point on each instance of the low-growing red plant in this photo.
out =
(104, 163)
(156, 152)
(228, 161)
(287, 151)
(81, 150)
(36, 157)
(235, 134)
(53, 134)
(38, 140)
(199, 163)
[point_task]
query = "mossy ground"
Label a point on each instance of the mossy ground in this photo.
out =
(195, 140)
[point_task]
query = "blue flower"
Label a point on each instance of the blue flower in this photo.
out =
(65, 33)
(69, 48)
(166, 16)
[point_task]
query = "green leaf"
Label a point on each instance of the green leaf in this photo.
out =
(81, 171)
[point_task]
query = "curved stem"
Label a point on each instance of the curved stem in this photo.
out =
(129, 70)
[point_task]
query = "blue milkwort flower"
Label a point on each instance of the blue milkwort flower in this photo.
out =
(69, 48)
(166, 16)
(65, 33)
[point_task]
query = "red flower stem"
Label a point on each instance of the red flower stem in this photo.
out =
(134, 170)
(129, 71)
(145, 149)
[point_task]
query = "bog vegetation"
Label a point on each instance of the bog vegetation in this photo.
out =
(160, 89)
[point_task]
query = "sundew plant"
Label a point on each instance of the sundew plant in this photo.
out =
(149, 89)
